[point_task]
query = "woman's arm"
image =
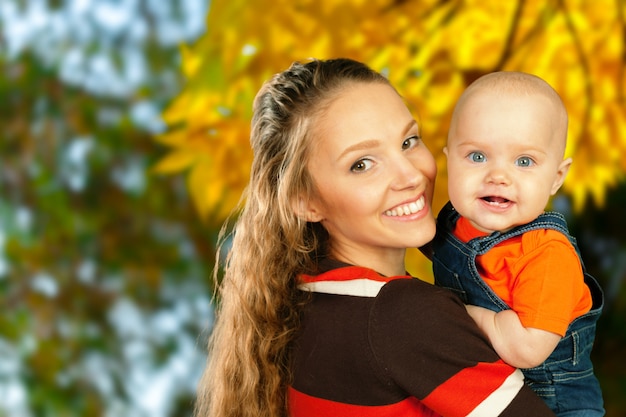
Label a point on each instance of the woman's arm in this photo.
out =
(429, 347)
(517, 345)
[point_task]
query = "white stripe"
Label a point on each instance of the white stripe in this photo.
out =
(500, 398)
(361, 287)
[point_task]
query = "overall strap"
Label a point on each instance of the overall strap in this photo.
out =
(447, 217)
(548, 220)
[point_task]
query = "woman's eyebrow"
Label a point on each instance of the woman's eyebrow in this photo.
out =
(372, 143)
(361, 146)
(412, 123)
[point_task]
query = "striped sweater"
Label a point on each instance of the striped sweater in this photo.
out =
(396, 346)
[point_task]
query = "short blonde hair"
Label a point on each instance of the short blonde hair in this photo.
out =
(518, 83)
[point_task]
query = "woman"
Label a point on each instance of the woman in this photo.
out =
(317, 315)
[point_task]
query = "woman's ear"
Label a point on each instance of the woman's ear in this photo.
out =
(561, 173)
(307, 209)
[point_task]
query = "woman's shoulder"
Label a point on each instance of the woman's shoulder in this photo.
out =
(415, 287)
(416, 297)
(415, 319)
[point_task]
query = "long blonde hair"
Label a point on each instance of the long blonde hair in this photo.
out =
(248, 369)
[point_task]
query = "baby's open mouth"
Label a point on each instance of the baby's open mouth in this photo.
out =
(496, 200)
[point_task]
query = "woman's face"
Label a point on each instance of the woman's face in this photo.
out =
(374, 178)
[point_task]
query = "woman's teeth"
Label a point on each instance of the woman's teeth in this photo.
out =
(406, 209)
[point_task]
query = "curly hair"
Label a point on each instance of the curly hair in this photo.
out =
(248, 368)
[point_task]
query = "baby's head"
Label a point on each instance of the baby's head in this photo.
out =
(505, 150)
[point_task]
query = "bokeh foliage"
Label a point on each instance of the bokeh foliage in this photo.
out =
(104, 262)
(430, 50)
(103, 271)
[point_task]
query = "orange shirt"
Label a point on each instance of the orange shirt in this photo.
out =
(537, 274)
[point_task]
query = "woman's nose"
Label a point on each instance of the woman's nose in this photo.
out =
(407, 174)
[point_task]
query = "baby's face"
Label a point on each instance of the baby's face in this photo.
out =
(504, 159)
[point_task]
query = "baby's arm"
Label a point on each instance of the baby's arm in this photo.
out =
(519, 346)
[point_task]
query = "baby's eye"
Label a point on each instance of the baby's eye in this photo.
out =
(524, 161)
(477, 157)
(408, 143)
(361, 165)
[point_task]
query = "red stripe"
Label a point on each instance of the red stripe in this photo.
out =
(303, 405)
(349, 273)
(468, 396)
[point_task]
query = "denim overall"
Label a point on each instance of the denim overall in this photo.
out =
(565, 380)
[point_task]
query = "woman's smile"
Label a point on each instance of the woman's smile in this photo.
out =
(407, 209)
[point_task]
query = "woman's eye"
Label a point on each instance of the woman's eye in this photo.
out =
(477, 157)
(408, 143)
(361, 165)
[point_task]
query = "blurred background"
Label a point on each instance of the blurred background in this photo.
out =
(124, 145)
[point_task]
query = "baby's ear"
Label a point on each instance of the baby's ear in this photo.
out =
(307, 209)
(561, 173)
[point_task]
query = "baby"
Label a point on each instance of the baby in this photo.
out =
(516, 266)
